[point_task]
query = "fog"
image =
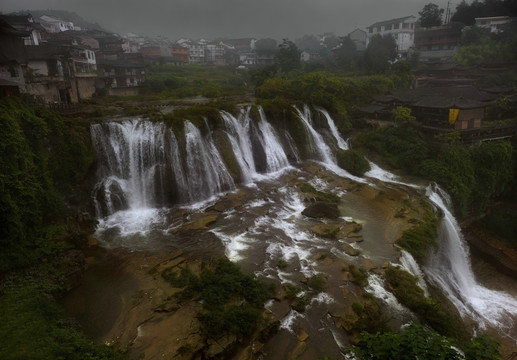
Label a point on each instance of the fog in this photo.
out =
(230, 18)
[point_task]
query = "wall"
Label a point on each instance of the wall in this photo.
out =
(48, 93)
(124, 91)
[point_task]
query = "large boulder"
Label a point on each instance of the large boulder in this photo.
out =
(322, 209)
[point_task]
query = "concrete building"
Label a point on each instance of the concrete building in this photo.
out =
(13, 60)
(495, 23)
(402, 29)
(438, 43)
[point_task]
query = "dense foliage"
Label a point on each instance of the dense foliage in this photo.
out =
(472, 176)
(417, 342)
(430, 15)
(39, 153)
(467, 13)
(431, 312)
(168, 81)
(232, 300)
(328, 90)
(353, 162)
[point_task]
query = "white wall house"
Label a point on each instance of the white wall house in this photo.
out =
(54, 25)
(494, 23)
(402, 30)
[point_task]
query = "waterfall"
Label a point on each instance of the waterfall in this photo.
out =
(451, 269)
(275, 154)
(322, 150)
(133, 158)
(206, 171)
(238, 130)
(341, 143)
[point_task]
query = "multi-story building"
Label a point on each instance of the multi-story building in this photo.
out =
(123, 75)
(25, 23)
(180, 53)
(438, 42)
(13, 60)
(402, 29)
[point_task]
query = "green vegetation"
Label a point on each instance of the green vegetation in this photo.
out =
(40, 154)
(232, 301)
(317, 282)
(168, 81)
(417, 342)
(422, 236)
(503, 223)
(321, 195)
(405, 288)
(33, 326)
(472, 176)
(368, 317)
(353, 162)
(331, 91)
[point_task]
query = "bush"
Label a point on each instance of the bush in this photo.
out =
(405, 288)
(220, 287)
(353, 162)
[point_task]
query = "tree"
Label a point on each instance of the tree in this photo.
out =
(288, 57)
(381, 51)
(346, 54)
(431, 15)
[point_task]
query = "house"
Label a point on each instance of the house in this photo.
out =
(495, 24)
(180, 53)
(214, 54)
(13, 60)
(438, 43)
(458, 107)
(123, 76)
(25, 23)
(196, 53)
(359, 37)
(402, 29)
(54, 25)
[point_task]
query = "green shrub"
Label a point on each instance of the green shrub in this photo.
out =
(418, 239)
(405, 288)
(219, 287)
(317, 282)
(353, 162)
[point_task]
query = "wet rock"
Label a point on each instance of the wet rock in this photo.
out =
(93, 242)
(321, 209)
(349, 250)
(280, 309)
(200, 224)
(330, 231)
(351, 229)
(217, 347)
(299, 350)
(368, 264)
(302, 335)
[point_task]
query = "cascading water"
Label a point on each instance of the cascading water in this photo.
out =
(341, 143)
(450, 268)
(144, 168)
(206, 171)
(239, 134)
(275, 154)
(322, 150)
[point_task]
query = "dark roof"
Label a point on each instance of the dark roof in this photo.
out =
(462, 96)
(45, 52)
(386, 22)
(371, 109)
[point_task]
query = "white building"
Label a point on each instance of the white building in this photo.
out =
(494, 23)
(54, 25)
(402, 30)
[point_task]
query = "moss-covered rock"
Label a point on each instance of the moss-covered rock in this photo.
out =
(353, 162)
(322, 209)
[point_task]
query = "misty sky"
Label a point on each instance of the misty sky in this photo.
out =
(231, 18)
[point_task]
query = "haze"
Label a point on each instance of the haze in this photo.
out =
(230, 18)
